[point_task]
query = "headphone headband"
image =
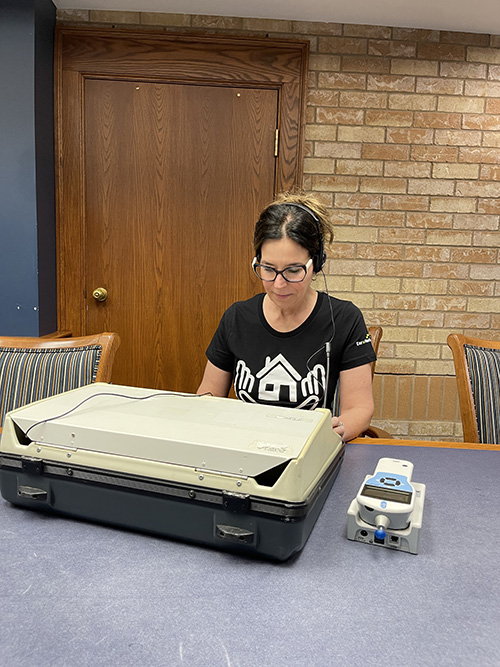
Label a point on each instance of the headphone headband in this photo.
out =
(319, 258)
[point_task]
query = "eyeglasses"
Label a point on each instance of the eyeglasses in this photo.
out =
(292, 274)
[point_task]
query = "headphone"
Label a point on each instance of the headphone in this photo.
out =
(319, 258)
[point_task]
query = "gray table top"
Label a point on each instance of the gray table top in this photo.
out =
(76, 593)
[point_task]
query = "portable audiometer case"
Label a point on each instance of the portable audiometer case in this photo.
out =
(237, 476)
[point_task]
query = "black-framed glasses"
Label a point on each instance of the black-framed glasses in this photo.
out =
(292, 274)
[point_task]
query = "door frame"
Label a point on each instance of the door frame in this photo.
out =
(81, 52)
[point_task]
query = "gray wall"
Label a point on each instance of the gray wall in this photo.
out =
(27, 218)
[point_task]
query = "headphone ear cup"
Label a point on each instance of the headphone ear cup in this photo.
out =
(319, 261)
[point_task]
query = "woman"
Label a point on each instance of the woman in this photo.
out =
(290, 345)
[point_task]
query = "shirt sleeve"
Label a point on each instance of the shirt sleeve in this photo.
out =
(219, 352)
(358, 348)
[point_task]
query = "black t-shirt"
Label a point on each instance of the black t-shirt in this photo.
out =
(290, 368)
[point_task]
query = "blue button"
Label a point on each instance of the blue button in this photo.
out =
(383, 504)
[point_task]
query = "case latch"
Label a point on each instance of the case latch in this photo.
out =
(235, 502)
(32, 466)
(32, 493)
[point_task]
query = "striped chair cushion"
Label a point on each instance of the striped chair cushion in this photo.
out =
(28, 375)
(484, 371)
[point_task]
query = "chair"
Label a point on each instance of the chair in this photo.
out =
(36, 368)
(477, 369)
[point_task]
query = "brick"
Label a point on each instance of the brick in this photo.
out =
(321, 132)
(481, 155)
(452, 204)
(318, 166)
(466, 320)
(342, 80)
(335, 183)
(324, 63)
(485, 272)
(448, 237)
(426, 186)
(101, 16)
(347, 45)
(339, 116)
(432, 336)
(434, 153)
(388, 118)
(73, 15)
(391, 48)
(475, 222)
(406, 269)
(402, 169)
(325, 98)
(474, 255)
(483, 55)
(267, 25)
(387, 82)
(458, 137)
(487, 239)
(337, 149)
(481, 122)
(414, 67)
(399, 334)
(437, 119)
(365, 251)
(490, 172)
(385, 152)
(344, 250)
(381, 218)
(366, 64)
(388, 407)
(491, 139)
(461, 104)
(383, 185)
(410, 136)
(494, 73)
(416, 351)
(404, 397)
(483, 88)
(441, 51)
(355, 267)
(361, 134)
(405, 203)
(426, 254)
(373, 31)
(412, 102)
(428, 429)
(358, 201)
(450, 271)
(400, 367)
(420, 319)
(483, 305)
(455, 171)
(403, 236)
(316, 28)
(360, 167)
(368, 100)
(416, 34)
(469, 38)
(440, 86)
(338, 284)
(469, 287)
(463, 70)
(495, 40)
(478, 189)
(488, 206)
(344, 217)
(355, 234)
(423, 286)
(219, 22)
(376, 285)
(362, 301)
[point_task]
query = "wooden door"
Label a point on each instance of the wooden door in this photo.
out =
(175, 176)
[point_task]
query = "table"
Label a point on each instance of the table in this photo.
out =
(75, 593)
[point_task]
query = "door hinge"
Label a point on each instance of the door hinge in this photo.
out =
(276, 142)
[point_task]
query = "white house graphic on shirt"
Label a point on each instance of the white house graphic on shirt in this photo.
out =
(277, 374)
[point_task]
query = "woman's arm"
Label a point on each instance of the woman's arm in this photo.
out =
(215, 381)
(356, 402)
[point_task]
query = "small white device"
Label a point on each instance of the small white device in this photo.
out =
(388, 508)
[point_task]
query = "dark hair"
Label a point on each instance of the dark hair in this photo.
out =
(300, 219)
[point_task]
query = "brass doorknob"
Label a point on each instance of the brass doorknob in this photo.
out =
(100, 294)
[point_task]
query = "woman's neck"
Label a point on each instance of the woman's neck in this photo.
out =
(287, 319)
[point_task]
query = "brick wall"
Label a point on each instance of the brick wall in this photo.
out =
(402, 142)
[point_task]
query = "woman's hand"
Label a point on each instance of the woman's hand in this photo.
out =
(338, 426)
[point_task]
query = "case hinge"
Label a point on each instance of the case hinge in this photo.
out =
(235, 502)
(32, 466)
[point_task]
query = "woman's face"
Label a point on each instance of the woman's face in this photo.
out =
(280, 254)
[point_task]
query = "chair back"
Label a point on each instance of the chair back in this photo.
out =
(477, 369)
(36, 368)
